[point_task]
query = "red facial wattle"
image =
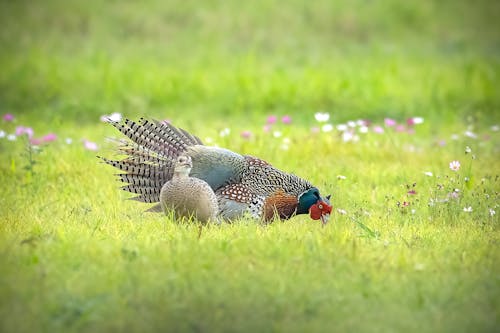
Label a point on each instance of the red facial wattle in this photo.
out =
(320, 211)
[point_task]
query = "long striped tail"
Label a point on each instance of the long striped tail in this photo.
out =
(150, 154)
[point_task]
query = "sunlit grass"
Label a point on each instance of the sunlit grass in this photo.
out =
(412, 246)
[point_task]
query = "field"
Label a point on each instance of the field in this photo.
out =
(390, 106)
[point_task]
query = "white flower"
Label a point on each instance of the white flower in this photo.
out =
(470, 134)
(495, 128)
(277, 134)
(492, 212)
(2, 134)
(428, 174)
(322, 116)
(418, 120)
(468, 209)
(327, 127)
(11, 137)
(342, 127)
(341, 211)
(69, 141)
(349, 136)
(225, 132)
(468, 150)
(455, 137)
(286, 141)
(115, 117)
(363, 129)
(351, 123)
(341, 177)
(455, 165)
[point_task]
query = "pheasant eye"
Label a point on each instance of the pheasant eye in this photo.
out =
(320, 206)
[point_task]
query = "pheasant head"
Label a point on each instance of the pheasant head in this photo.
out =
(318, 207)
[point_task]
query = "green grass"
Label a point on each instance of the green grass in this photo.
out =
(75, 256)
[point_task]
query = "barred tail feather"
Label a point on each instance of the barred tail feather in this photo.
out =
(150, 155)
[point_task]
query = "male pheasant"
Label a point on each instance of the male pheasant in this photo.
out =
(243, 185)
(188, 196)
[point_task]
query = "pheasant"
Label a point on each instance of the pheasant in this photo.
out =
(243, 184)
(188, 196)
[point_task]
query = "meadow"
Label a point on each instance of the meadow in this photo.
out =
(390, 106)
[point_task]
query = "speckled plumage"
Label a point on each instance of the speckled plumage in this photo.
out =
(188, 196)
(243, 185)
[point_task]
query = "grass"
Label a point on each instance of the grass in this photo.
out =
(76, 257)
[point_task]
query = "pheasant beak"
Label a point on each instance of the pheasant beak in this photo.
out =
(324, 218)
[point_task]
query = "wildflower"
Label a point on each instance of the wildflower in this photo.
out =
(68, 141)
(246, 134)
(412, 192)
(468, 209)
(342, 127)
(286, 119)
(35, 141)
(455, 165)
(400, 128)
(49, 137)
(470, 134)
(428, 174)
(414, 121)
(341, 211)
(455, 194)
(8, 117)
(115, 117)
(21, 130)
(327, 127)
(389, 122)
(225, 132)
(455, 137)
(341, 177)
(363, 129)
(277, 134)
(492, 212)
(378, 130)
(442, 143)
(349, 136)
(89, 145)
(495, 128)
(322, 117)
(271, 120)
(11, 137)
(351, 123)
(267, 128)
(468, 150)
(2, 134)
(285, 145)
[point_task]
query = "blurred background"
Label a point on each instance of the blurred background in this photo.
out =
(69, 62)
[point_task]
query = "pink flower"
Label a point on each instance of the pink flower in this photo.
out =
(35, 141)
(389, 122)
(267, 128)
(49, 137)
(400, 128)
(286, 119)
(455, 165)
(246, 134)
(378, 129)
(412, 192)
(414, 121)
(89, 145)
(271, 120)
(21, 130)
(8, 117)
